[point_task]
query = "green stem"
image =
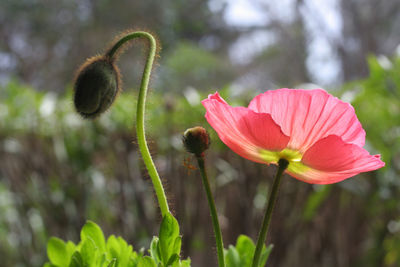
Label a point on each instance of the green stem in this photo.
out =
(262, 236)
(213, 211)
(140, 130)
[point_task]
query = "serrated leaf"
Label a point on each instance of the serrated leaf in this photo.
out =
(146, 261)
(169, 231)
(76, 260)
(57, 252)
(94, 232)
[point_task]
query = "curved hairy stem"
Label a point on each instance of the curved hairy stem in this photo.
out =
(140, 112)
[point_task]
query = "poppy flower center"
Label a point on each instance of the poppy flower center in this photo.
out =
(274, 156)
(292, 156)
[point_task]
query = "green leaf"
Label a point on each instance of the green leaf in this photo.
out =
(232, 258)
(169, 232)
(113, 247)
(245, 247)
(118, 248)
(266, 251)
(101, 259)
(71, 248)
(185, 263)
(57, 252)
(177, 245)
(125, 253)
(154, 252)
(146, 262)
(134, 259)
(76, 260)
(94, 232)
(174, 258)
(113, 263)
(88, 251)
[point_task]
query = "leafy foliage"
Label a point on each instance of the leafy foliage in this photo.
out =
(242, 254)
(94, 251)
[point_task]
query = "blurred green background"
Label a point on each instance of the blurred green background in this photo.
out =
(57, 170)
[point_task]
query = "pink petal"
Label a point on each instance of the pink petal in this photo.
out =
(310, 115)
(332, 160)
(243, 130)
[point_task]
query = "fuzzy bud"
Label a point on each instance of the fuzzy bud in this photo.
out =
(96, 86)
(196, 140)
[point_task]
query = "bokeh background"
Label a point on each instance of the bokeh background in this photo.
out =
(57, 170)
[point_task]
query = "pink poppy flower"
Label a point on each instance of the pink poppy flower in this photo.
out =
(316, 132)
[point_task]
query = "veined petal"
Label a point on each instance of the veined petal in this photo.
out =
(243, 130)
(310, 115)
(331, 160)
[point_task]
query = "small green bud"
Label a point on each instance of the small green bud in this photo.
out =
(96, 86)
(196, 140)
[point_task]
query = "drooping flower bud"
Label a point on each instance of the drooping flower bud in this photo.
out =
(96, 86)
(196, 140)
